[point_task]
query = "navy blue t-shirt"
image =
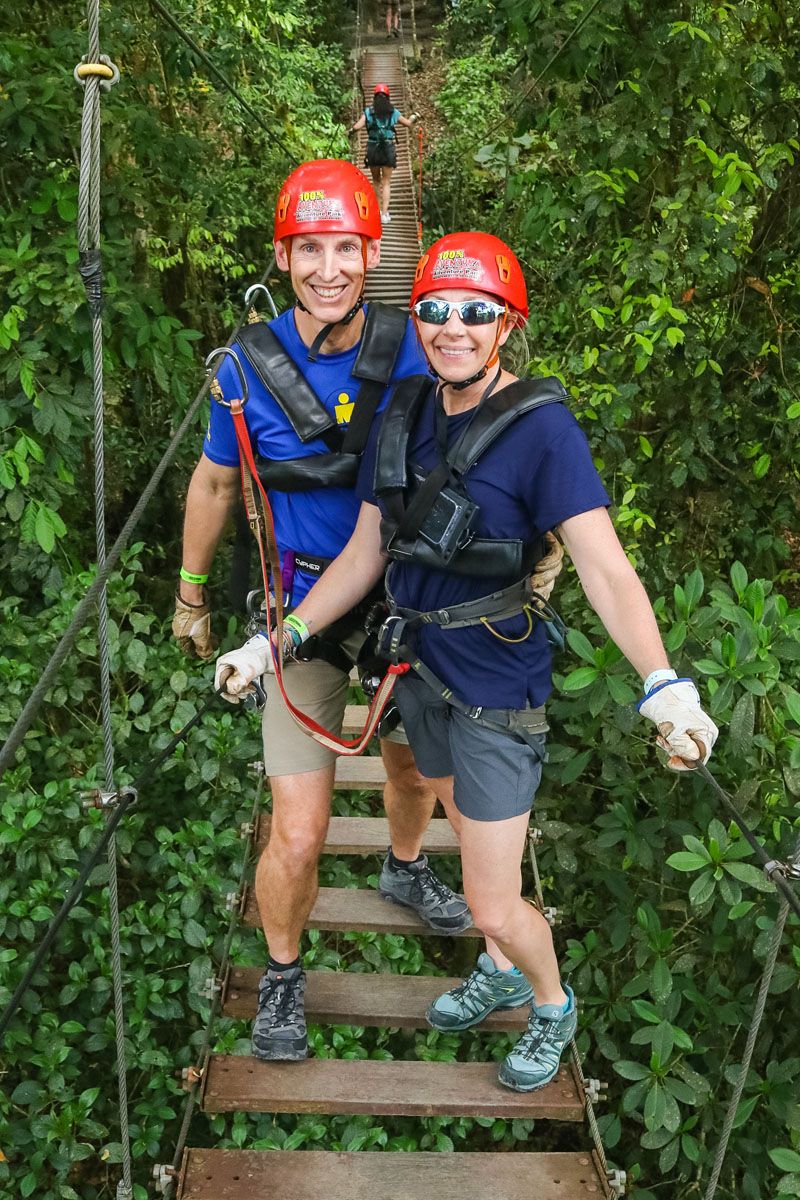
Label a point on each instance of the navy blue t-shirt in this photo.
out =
(535, 475)
(318, 522)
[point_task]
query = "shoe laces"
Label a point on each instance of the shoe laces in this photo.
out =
(279, 997)
(430, 886)
(543, 1035)
(473, 985)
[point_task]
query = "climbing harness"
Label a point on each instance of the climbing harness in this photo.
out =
(260, 519)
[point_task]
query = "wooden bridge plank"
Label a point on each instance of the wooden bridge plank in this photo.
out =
(366, 773)
(313, 1174)
(370, 835)
(234, 1083)
(344, 909)
(356, 998)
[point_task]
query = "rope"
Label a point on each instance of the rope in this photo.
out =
(85, 607)
(755, 1025)
(119, 801)
(90, 73)
(215, 71)
(205, 1047)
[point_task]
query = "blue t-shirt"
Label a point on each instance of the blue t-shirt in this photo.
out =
(318, 522)
(535, 475)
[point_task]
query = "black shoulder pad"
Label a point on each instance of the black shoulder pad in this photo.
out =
(284, 379)
(398, 421)
(383, 334)
(498, 411)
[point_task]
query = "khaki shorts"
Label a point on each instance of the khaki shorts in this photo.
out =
(319, 690)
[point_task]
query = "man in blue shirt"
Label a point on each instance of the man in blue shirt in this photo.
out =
(322, 366)
(460, 485)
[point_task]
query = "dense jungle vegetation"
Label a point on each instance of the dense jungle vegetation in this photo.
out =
(644, 160)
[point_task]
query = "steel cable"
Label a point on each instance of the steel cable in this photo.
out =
(752, 1034)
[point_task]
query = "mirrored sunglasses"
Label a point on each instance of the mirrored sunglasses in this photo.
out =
(471, 312)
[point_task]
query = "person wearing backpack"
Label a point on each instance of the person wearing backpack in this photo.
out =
(461, 478)
(381, 121)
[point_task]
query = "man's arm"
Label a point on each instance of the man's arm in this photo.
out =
(211, 496)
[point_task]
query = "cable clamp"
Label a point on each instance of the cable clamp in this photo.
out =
(209, 989)
(104, 70)
(190, 1077)
(123, 1191)
(232, 900)
(789, 870)
(594, 1089)
(97, 798)
(257, 767)
(163, 1176)
(617, 1183)
(535, 836)
(550, 915)
(246, 829)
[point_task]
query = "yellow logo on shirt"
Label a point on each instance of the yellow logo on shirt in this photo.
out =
(344, 409)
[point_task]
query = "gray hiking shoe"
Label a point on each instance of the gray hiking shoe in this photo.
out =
(534, 1060)
(486, 989)
(279, 1030)
(417, 887)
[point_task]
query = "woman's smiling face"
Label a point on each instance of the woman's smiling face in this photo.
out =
(457, 351)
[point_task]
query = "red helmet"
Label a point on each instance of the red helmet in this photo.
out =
(479, 261)
(327, 195)
(381, 89)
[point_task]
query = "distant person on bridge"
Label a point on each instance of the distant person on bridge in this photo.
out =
(325, 364)
(380, 121)
(393, 18)
(460, 484)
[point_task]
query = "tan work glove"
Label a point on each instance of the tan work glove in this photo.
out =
(685, 731)
(191, 625)
(547, 569)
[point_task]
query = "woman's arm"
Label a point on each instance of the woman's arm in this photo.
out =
(412, 120)
(350, 577)
(614, 590)
(359, 124)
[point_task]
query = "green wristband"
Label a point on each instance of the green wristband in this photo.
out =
(296, 625)
(190, 577)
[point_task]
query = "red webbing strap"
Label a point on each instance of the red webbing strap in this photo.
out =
(263, 528)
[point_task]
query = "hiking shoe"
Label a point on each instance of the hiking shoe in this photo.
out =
(386, 218)
(279, 1030)
(486, 989)
(534, 1060)
(418, 888)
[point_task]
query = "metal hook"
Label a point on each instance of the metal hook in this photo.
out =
(216, 392)
(260, 287)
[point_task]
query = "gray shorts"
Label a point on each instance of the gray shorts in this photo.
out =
(495, 775)
(319, 690)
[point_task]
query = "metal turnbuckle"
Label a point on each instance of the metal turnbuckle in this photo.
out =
(190, 1077)
(163, 1176)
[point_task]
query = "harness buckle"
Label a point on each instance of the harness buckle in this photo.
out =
(475, 712)
(388, 636)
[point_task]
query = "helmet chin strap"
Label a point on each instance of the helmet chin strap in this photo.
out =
(494, 356)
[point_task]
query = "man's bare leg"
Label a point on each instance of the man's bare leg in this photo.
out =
(287, 879)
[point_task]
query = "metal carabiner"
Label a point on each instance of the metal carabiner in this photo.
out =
(260, 287)
(216, 392)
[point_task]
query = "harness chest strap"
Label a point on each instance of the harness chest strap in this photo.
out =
(263, 528)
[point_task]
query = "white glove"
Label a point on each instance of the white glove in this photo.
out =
(685, 731)
(238, 668)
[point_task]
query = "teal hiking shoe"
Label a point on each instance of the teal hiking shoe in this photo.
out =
(533, 1062)
(486, 989)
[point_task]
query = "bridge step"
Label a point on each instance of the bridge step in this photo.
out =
(343, 909)
(235, 1083)
(365, 773)
(358, 998)
(369, 835)
(313, 1174)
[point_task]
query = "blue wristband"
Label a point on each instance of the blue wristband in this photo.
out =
(660, 687)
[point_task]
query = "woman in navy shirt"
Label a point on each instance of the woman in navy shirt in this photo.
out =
(472, 705)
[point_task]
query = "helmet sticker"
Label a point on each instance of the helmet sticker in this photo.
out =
(454, 264)
(421, 265)
(314, 206)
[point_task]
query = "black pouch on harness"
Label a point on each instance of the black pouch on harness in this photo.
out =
(438, 513)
